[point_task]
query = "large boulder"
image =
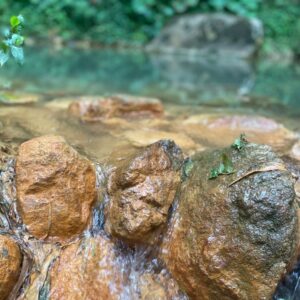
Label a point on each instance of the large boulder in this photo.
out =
(234, 236)
(10, 265)
(141, 190)
(56, 188)
(117, 106)
(228, 35)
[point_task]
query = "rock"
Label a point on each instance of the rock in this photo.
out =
(219, 33)
(18, 98)
(159, 286)
(144, 137)
(220, 131)
(121, 106)
(233, 237)
(141, 190)
(10, 265)
(55, 188)
(295, 151)
(86, 269)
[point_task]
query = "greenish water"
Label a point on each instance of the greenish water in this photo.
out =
(263, 86)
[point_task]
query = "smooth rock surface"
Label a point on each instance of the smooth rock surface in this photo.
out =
(233, 237)
(87, 269)
(121, 106)
(217, 33)
(141, 190)
(10, 265)
(220, 131)
(55, 188)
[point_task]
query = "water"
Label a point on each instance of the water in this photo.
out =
(262, 86)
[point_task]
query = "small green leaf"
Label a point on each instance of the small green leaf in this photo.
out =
(214, 173)
(18, 54)
(4, 56)
(240, 142)
(17, 40)
(14, 21)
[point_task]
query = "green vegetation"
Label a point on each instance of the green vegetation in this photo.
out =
(224, 168)
(240, 142)
(135, 22)
(12, 44)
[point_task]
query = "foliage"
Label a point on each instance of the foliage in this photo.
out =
(224, 168)
(13, 41)
(240, 142)
(138, 21)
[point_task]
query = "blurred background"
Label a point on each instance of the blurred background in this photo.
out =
(208, 52)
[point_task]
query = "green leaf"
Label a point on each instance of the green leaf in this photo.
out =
(14, 21)
(240, 142)
(224, 168)
(4, 56)
(17, 40)
(214, 173)
(18, 54)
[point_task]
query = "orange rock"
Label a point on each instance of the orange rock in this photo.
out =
(87, 270)
(55, 188)
(221, 131)
(233, 237)
(141, 190)
(10, 265)
(122, 106)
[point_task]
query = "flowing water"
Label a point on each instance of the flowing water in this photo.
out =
(187, 86)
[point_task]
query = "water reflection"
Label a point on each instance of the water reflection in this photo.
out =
(176, 79)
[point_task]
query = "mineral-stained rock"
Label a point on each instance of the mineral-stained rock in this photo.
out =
(233, 237)
(121, 106)
(141, 191)
(10, 265)
(220, 130)
(55, 188)
(86, 270)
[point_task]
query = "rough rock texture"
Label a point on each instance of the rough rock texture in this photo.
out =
(55, 188)
(10, 265)
(121, 106)
(231, 240)
(86, 270)
(211, 34)
(141, 191)
(220, 130)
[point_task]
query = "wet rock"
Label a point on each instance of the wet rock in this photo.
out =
(220, 131)
(160, 286)
(218, 34)
(10, 265)
(295, 151)
(87, 269)
(55, 188)
(120, 106)
(144, 137)
(233, 237)
(18, 98)
(141, 190)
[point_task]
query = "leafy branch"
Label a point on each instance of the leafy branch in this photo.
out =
(12, 44)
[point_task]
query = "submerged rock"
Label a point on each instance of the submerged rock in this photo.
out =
(221, 34)
(144, 137)
(121, 106)
(55, 188)
(141, 191)
(219, 130)
(10, 265)
(87, 269)
(233, 237)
